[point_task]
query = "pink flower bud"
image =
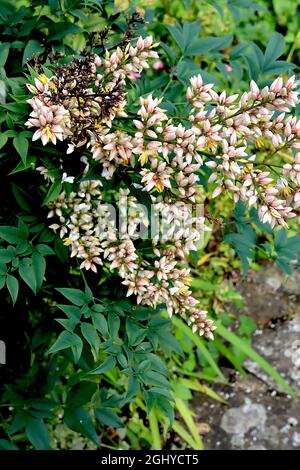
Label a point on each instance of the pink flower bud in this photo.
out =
(189, 94)
(216, 192)
(158, 65)
(148, 41)
(254, 88)
(276, 85)
(140, 43)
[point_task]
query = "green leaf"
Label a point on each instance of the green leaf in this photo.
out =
(76, 296)
(23, 249)
(23, 229)
(150, 377)
(81, 394)
(109, 418)
(66, 340)
(37, 433)
(89, 332)
(161, 391)
(19, 421)
(32, 48)
(200, 345)
(4, 50)
(113, 324)
(253, 67)
(154, 428)
(79, 420)
(10, 133)
(106, 366)
(2, 281)
(187, 68)
(199, 46)
(157, 363)
(143, 366)
(170, 53)
(88, 294)
(99, 308)
(27, 273)
(133, 389)
(279, 67)
(247, 325)
(54, 191)
(39, 268)
(258, 54)
(275, 48)
(7, 445)
(285, 244)
(21, 145)
(180, 390)
(195, 385)
(43, 404)
(167, 342)
(284, 266)
(135, 333)
(122, 360)
(186, 35)
(226, 352)
(30, 162)
(100, 323)
(62, 29)
(165, 407)
(244, 244)
(238, 50)
(186, 415)
(61, 251)
(70, 310)
(177, 35)
(68, 323)
(44, 249)
(3, 140)
(246, 349)
(16, 108)
(11, 234)
(12, 285)
(77, 349)
(86, 311)
(184, 434)
(79, 14)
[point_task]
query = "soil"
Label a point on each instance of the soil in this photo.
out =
(259, 415)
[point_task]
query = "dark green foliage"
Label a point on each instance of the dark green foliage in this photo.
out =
(85, 358)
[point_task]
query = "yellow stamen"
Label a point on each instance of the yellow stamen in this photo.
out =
(68, 241)
(43, 79)
(143, 158)
(210, 145)
(159, 186)
(98, 127)
(52, 86)
(183, 290)
(49, 132)
(286, 191)
(259, 143)
(275, 213)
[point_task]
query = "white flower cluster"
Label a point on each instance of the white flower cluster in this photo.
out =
(87, 108)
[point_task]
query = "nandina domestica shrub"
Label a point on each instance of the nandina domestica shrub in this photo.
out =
(118, 161)
(84, 102)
